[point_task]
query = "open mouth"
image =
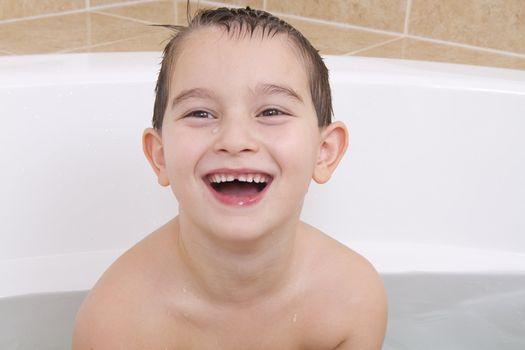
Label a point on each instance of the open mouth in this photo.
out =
(238, 189)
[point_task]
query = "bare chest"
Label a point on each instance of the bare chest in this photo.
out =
(253, 329)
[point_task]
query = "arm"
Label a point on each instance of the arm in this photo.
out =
(95, 325)
(367, 329)
(105, 317)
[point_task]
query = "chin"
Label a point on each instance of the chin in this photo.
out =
(242, 230)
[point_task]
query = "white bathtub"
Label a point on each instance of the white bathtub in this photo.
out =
(432, 191)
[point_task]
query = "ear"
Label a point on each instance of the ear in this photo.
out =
(154, 151)
(334, 141)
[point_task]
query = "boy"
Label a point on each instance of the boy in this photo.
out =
(242, 123)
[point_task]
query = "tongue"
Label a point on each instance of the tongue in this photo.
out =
(238, 189)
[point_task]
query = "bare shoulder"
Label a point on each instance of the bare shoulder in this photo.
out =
(352, 288)
(115, 309)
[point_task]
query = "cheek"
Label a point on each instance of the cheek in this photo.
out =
(181, 154)
(296, 150)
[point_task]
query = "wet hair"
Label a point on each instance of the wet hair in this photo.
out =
(245, 21)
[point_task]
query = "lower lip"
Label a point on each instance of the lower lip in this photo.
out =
(239, 201)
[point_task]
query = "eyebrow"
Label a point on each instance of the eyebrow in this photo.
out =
(263, 88)
(193, 93)
(272, 89)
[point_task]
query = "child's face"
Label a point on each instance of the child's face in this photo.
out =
(239, 107)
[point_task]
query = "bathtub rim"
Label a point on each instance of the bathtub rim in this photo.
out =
(47, 273)
(111, 67)
(80, 271)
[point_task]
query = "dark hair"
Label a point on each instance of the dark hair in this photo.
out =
(246, 21)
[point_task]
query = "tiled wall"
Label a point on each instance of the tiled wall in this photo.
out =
(414, 28)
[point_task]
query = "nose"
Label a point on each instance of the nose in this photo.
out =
(236, 136)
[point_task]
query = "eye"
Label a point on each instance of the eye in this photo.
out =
(272, 112)
(199, 115)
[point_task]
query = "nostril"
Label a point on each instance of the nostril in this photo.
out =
(234, 135)
(236, 144)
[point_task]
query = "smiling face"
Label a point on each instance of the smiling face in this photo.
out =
(240, 140)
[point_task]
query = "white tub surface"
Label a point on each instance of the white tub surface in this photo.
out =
(432, 190)
(79, 271)
(436, 155)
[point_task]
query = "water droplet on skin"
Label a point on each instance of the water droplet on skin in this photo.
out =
(294, 318)
(215, 130)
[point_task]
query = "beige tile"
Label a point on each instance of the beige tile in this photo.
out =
(151, 42)
(329, 39)
(45, 35)
(109, 2)
(335, 40)
(63, 33)
(107, 29)
(5, 53)
(159, 12)
(498, 24)
(194, 7)
(379, 14)
(10, 9)
(256, 4)
(182, 10)
(426, 51)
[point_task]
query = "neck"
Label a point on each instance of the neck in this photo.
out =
(237, 272)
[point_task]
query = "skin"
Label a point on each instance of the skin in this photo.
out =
(231, 276)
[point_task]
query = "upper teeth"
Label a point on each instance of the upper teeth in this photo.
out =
(218, 178)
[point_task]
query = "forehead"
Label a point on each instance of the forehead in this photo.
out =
(212, 54)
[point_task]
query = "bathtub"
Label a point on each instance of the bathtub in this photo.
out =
(431, 191)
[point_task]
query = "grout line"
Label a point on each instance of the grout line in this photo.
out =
(408, 13)
(89, 30)
(265, 5)
(122, 17)
(175, 13)
(71, 12)
(87, 4)
(73, 50)
(121, 4)
(373, 46)
(466, 46)
(397, 35)
(48, 15)
(216, 4)
(316, 20)
(337, 24)
(191, 9)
